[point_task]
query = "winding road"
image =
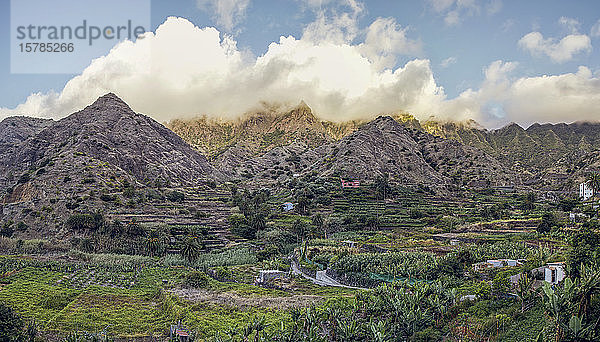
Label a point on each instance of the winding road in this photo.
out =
(322, 278)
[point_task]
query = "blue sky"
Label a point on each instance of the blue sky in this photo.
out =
(461, 39)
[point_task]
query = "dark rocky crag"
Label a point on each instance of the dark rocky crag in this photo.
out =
(58, 165)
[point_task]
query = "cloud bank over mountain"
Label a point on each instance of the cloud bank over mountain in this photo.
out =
(192, 71)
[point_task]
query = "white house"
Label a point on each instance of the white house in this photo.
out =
(554, 272)
(585, 191)
(287, 206)
(349, 243)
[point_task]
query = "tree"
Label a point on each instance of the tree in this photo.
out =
(319, 223)
(567, 204)
(588, 285)
(528, 201)
(154, 243)
(500, 284)
(593, 180)
(7, 229)
(585, 249)
(239, 226)
(303, 204)
(381, 186)
(558, 302)
(258, 222)
(299, 228)
(548, 221)
(525, 289)
(191, 248)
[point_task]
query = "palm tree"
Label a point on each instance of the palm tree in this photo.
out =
(588, 285)
(529, 201)
(318, 222)
(594, 181)
(154, 244)
(381, 186)
(190, 250)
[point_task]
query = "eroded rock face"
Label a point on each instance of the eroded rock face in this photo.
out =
(382, 146)
(51, 164)
(410, 156)
(109, 131)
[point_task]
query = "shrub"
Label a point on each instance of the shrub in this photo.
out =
(267, 253)
(176, 196)
(129, 192)
(11, 325)
(7, 229)
(24, 178)
(196, 279)
(239, 226)
(85, 221)
(56, 301)
(107, 197)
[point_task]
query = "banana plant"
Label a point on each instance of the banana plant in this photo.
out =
(378, 331)
(558, 302)
(524, 289)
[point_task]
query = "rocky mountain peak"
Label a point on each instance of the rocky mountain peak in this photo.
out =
(302, 113)
(384, 123)
(110, 100)
(108, 107)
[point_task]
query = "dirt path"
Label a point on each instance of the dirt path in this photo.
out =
(322, 278)
(233, 299)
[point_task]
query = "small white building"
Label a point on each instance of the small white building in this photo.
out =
(514, 279)
(494, 263)
(266, 275)
(554, 272)
(585, 191)
(287, 206)
(349, 243)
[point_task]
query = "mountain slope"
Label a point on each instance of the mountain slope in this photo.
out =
(255, 134)
(110, 132)
(78, 163)
(411, 156)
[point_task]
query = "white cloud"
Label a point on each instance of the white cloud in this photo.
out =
(194, 71)
(494, 7)
(595, 31)
(332, 26)
(448, 62)
(385, 40)
(454, 11)
(572, 25)
(200, 72)
(227, 13)
(561, 51)
(556, 98)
